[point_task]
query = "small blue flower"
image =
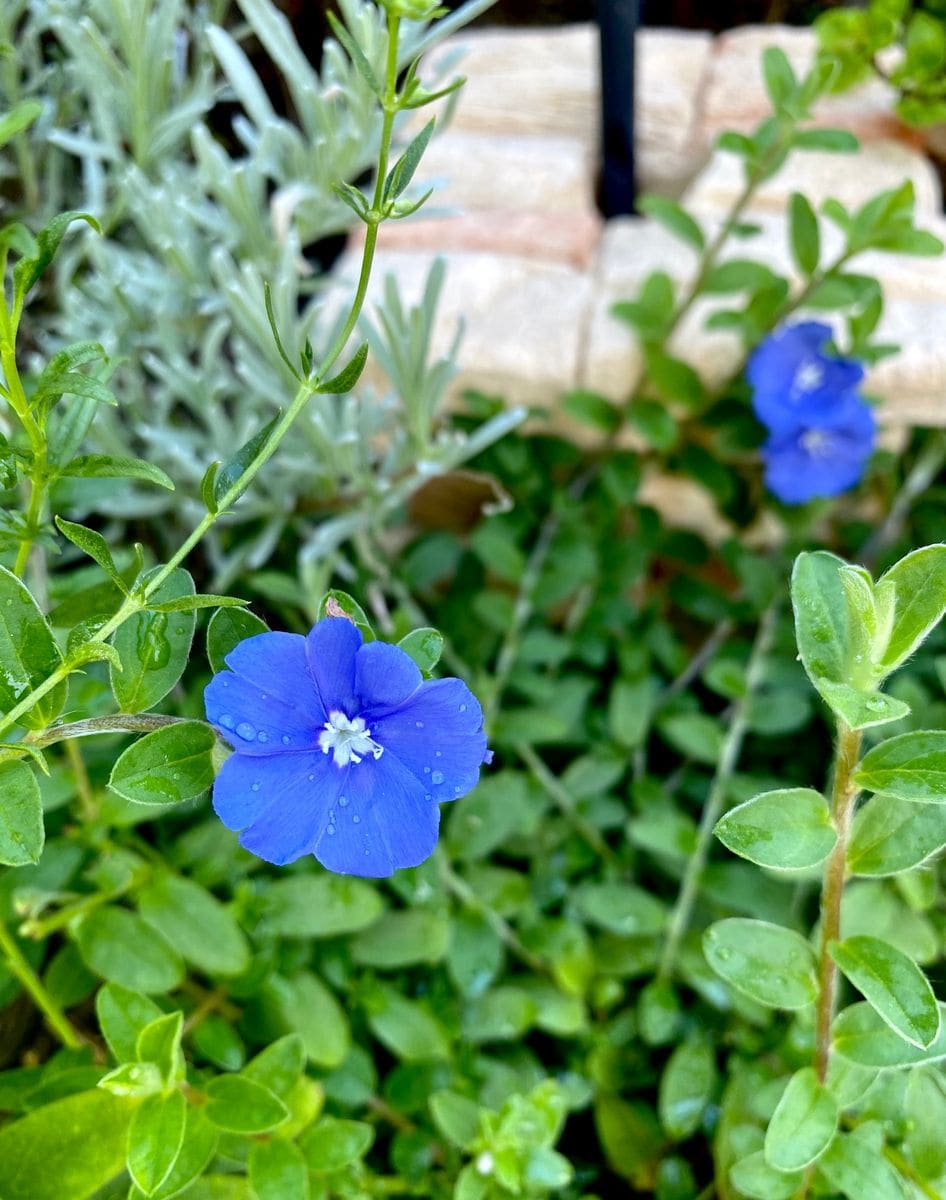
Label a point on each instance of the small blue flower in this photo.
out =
(342, 750)
(794, 382)
(823, 458)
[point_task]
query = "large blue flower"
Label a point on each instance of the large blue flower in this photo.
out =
(823, 458)
(342, 750)
(793, 381)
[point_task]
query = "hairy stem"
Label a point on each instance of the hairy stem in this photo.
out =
(728, 760)
(57, 1020)
(843, 800)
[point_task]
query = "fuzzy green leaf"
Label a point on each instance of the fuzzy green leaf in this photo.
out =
(911, 766)
(789, 829)
(772, 965)
(803, 1125)
(893, 985)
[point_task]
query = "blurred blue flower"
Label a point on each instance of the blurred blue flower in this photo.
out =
(342, 750)
(823, 458)
(793, 381)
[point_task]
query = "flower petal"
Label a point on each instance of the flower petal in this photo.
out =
(275, 663)
(438, 735)
(330, 649)
(302, 790)
(253, 722)
(385, 676)
(797, 473)
(387, 821)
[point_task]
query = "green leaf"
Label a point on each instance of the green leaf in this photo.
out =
(155, 1139)
(893, 985)
(239, 1105)
(686, 1088)
(72, 1147)
(199, 1146)
(778, 76)
(803, 1125)
(160, 1043)
(858, 1171)
(348, 376)
(925, 1120)
(279, 1066)
(834, 141)
(675, 380)
(122, 1014)
(752, 1176)
(154, 648)
(315, 906)
(193, 603)
(911, 766)
(231, 473)
(339, 604)
(804, 235)
(425, 647)
(21, 816)
(738, 275)
(277, 1170)
(118, 946)
(403, 938)
(274, 329)
(133, 1079)
(28, 270)
(204, 931)
(20, 117)
(862, 1036)
(304, 1005)
(401, 174)
(407, 1028)
(821, 616)
(167, 766)
(355, 53)
(227, 628)
(673, 217)
(92, 543)
(622, 908)
(862, 710)
(772, 965)
(890, 836)
(28, 654)
(789, 829)
(457, 1117)
(920, 582)
(333, 1144)
(109, 466)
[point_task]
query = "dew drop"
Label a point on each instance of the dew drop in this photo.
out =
(330, 830)
(462, 708)
(262, 736)
(263, 696)
(286, 739)
(227, 721)
(437, 777)
(438, 754)
(246, 731)
(426, 770)
(343, 802)
(311, 777)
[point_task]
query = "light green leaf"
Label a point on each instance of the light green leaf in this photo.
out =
(789, 829)
(92, 543)
(821, 616)
(166, 766)
(313, 906)
(920, 580)
(407, 1028)
(893, 985)
(304, 1005)
(21, 116)
(28, 654)
(622, 908)
(862, 1035)
(425, 647)
(118, 946)
(686, 1088)
(804, 235)
(22, 834)
(202, 929)
(199, 1147)
(773, 965)
(279, 1066)
(154, 648)
(891, 835)
(133, 1079)
(333, 1144)
(238, 1105)
(861, 710)
(803, 1125)
(457, 1117)
(28, 270)
(231, 474)
(911, 766)
(402, 939)
(752, 1176)
(160, 1043)
(227, 628)
(277, 1170)
(193, 603)
(109, 466)
(122, 1014)
(854, 1168)
(925, 1114)
(673, 217)
(72, 1147)
(155, 1138)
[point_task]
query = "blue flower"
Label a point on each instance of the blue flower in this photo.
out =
(793, 382)
(823, 458)
(342, 750)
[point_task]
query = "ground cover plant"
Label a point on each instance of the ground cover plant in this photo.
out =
(513, 842)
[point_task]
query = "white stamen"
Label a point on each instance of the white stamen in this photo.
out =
(348, 740)
(809, 376)
(817, 442)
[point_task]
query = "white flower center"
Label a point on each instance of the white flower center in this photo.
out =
(348, 740)
(809, 376)
(817, 442)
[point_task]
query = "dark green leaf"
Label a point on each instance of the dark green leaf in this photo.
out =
(118, 946)
(890, 836)
(804, 235)
(200, 928)
(402, 172)
(228, 478)
(108, 466)
(195, 602)
(686, 1088)
(21, 815)
(893, 985)
(920, 581)
(28, 654)
(348, 376)
(28, 270)
(227, 628)
(92, 543)
(911, 766)
(166, 766)
(332, 1144)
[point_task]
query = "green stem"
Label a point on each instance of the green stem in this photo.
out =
(565, 802)
(843, 800)
(57, 1020)
(728, 760)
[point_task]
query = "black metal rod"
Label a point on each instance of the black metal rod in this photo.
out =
(618, 21)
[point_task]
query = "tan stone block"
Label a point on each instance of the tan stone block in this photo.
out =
(818, 175)
(570, 237)
(911, 384)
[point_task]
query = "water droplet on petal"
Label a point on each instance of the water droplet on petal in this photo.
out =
(343, 802)
(458, 789)
(437, 777)
(426, 770)
(254, 787)
(462, 708)
(438, 754)
(286, 739)
(227, 721)
(262, 736)
(419, 724)
(330, 829)
(311, 777)
(246, 731)
(356, 820)
(428, 796)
